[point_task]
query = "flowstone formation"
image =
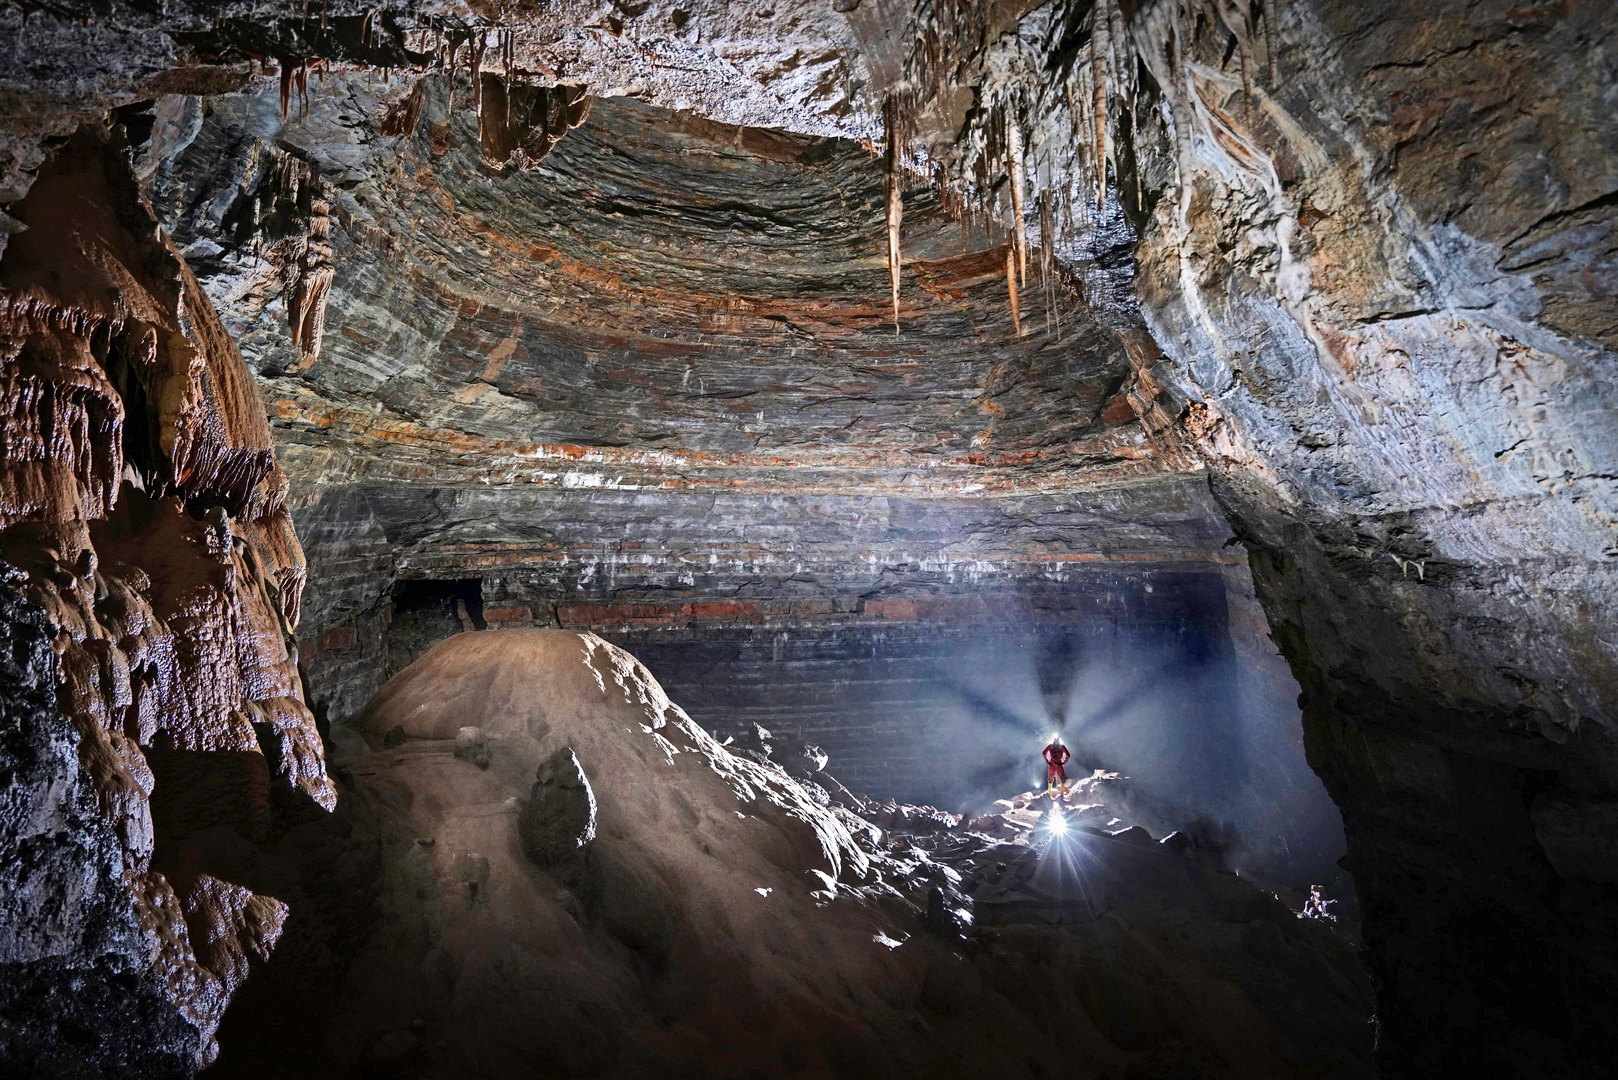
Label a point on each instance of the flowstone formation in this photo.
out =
(145, 537)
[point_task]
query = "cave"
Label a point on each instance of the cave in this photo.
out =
(871, 538)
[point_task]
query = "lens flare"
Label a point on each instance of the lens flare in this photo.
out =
(1055, 823)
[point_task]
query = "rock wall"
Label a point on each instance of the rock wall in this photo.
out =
(1394, 327)
(930, 646)
(144, 532)
(1356, 261)
(607, 393)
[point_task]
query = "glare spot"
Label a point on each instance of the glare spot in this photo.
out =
(1055, 822)
(884, 940)
(762, 891)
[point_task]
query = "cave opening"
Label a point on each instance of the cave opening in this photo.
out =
(424, 610)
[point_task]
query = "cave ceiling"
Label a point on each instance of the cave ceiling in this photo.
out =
(663, 302)
(594, 316)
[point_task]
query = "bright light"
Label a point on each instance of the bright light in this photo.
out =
(1055, 822)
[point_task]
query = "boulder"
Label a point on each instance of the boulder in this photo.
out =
(558, 821)
(470, 745)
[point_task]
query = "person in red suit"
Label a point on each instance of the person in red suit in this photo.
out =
(1056, 756)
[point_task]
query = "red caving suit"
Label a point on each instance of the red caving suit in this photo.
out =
(1056, 756)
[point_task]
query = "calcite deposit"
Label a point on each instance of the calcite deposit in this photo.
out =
(1225, 384)
(145, 521)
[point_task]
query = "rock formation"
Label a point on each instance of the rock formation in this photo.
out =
(724, 917)
(146, 528)
(558, 821)
(904, 378)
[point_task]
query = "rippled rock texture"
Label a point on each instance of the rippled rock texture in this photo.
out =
(691, 420)
(1411, 403)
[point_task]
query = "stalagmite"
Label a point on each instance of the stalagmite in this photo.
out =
(895, 201)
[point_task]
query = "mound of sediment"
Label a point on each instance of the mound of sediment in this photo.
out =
(578, 880)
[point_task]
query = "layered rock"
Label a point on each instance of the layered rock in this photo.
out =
(1406, 404)
(1355, 262)
(693, 429)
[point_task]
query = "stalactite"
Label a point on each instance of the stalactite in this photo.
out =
(1180, 91)
(522, 124)
(1134, 139)
(1014, 169)
(895, 198)
(1100, 51)
(297, 222)
(1047, 254)
(295, 76)
(1011, 289)
(511, 65)
(1268, 14)
(1123, 68)
(479, 44)
(449, 78)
